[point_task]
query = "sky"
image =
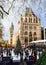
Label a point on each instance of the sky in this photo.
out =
(18, 7)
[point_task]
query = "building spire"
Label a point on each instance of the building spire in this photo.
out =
(11, 33)
(11, 28)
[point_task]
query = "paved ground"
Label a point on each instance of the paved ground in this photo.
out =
(23, 63)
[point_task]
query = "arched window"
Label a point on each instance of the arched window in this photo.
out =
(26, 27)
(26, 39)
(30, 20)
(30, 33)
(35, 27)
(26, 33)
(35, 33)
(35, 38)
(30, 39)
(34, 20)
(25, 19)
(30, 27)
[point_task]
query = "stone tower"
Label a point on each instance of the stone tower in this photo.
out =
(11, 34)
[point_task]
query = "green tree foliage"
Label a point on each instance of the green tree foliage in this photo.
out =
(42, 59)
(18, 45)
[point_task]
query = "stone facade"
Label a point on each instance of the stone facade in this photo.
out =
(10, 41)
(45, 33)
(15, 38)
(29, 27)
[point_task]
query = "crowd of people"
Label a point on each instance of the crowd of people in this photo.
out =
(11, 57)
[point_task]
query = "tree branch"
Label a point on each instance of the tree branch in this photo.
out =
(1, 14)
(11, 6)
(3, 10)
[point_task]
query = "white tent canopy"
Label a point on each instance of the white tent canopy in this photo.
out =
(39, 41)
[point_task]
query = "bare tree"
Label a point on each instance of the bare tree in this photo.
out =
(23, 3)
(1, 13)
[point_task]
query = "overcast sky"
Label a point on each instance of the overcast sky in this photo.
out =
(18, 8)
